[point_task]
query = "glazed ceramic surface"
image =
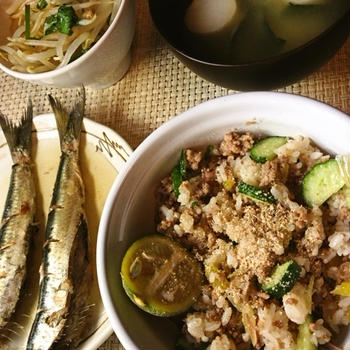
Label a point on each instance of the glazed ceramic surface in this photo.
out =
(130, 207)
(265, 74)
(103, 65)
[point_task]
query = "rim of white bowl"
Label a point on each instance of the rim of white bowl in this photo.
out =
(79, 61)
(193, 112)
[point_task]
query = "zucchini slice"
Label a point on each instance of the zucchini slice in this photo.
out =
(304, 336)
(160, 276)
(282, 279)
(256, 193)
(263, 150)
(323, 180)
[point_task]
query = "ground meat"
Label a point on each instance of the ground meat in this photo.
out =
(236, 144)
(261, 231)
(344, 271)
(163, 226)
(300, 217)
(272, 171)
(193, 158)
(316, 268)
(269, 173)
(314, 235)
(208, 175)
(164, 192)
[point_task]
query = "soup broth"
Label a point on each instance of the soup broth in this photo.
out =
(266, 28)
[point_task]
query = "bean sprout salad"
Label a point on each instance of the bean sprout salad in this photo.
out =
(49, 34)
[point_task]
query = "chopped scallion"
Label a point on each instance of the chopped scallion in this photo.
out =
(27, 21)
(41, 4)
(177, 180)
(182, 164)
(179, 173)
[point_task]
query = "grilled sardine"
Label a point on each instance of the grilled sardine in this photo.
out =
(63, 289)
(17, 224)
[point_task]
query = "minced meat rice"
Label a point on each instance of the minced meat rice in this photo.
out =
(239, 241)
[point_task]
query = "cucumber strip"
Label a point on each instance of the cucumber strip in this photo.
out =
(323, 180)
(263, 150)
(256, 193)
(304, 341)
(282, 279)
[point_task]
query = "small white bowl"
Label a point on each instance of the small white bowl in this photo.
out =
(102, 66)
(130, 206)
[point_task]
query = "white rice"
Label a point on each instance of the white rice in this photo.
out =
(295, 304)
(340, 243)
(319, 333)
(222, 343)
(273, 328)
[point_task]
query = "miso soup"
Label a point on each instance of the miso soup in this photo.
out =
(233, 31)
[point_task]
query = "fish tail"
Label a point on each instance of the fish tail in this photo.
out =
(19, 135)
(69, 124)
(61, 116)
(77, 115)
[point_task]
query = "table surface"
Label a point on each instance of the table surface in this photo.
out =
(158, 87)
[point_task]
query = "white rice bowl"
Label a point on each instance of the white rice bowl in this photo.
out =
(126, 217)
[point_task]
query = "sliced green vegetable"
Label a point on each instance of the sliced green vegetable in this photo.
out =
(275, 41)
(228, 184)
(282, 279)
(177, 180)
(263, 150)
(182, 164)
(179, 173)
(309, 293)
(194, 204)
(256, 193)
(208, 152)
(41, 4)
(219, 281)
(342, 289)
(264, 43)
(249, 323)
(27, 21)
(50, 25)
(323, 180)
(63, 21)
(304, 341)
(77, 54)
(344, 166)
(160, 276)
(67, 18)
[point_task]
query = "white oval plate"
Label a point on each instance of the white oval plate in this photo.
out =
(103, 154)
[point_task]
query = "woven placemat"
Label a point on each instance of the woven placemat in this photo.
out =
(158, 87)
